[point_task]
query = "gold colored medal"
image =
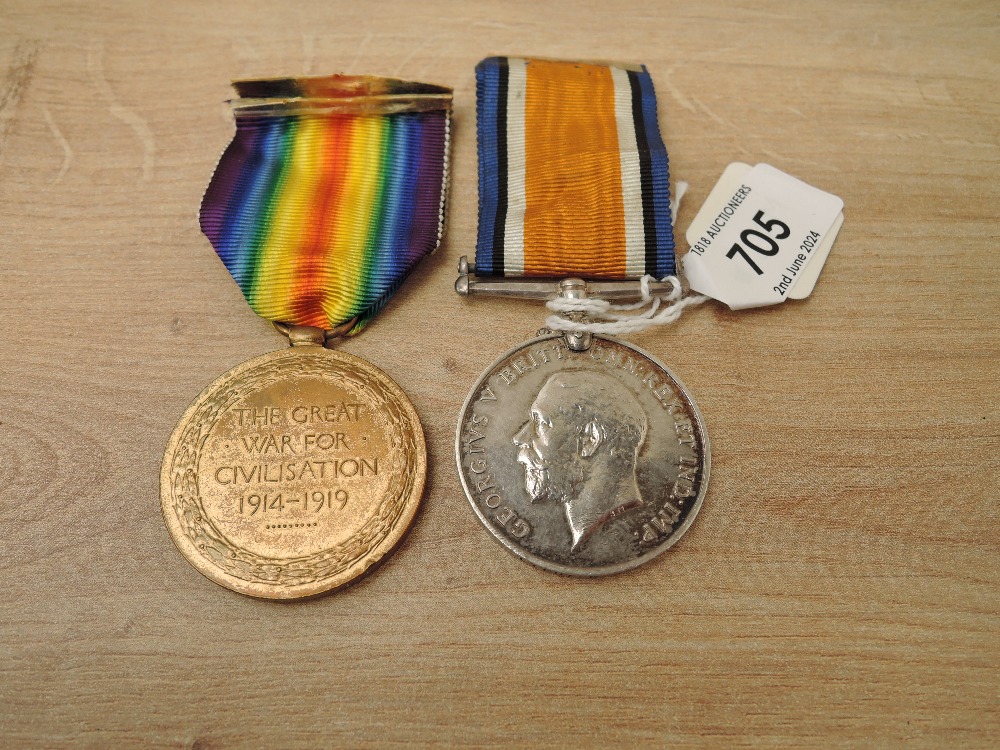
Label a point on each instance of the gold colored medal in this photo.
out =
(298, 471)
(294, 473)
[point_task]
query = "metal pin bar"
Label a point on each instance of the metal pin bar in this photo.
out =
(468, 284)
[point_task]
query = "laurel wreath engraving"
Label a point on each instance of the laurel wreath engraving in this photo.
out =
(290, 571)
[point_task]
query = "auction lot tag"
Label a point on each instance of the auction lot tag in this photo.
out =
(761, 237)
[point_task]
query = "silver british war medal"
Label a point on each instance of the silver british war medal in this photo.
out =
(579, 452)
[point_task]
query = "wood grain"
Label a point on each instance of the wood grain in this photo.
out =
(840, 587)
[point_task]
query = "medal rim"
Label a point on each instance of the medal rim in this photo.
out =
(363, 565)
(603, 570)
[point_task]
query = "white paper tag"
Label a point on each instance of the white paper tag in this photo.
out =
(761, 237)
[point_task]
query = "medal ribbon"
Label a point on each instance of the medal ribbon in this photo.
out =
(573, 174)
(331, 191)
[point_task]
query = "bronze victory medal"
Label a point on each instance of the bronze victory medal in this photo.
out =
(293, 473)
(582, 462)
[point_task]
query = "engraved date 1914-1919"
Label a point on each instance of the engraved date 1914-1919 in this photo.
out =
(315, 501)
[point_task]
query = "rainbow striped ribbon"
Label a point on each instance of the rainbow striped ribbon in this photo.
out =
(573, 174)
(330, 192)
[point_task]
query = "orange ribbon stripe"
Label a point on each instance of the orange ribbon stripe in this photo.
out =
(573, 181)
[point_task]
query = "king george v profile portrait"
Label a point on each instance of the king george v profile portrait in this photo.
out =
(579, 448)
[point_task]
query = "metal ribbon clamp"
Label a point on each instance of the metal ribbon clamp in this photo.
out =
(468, 284)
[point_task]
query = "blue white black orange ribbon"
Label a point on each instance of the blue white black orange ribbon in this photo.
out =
(330, 192)
(573, 173)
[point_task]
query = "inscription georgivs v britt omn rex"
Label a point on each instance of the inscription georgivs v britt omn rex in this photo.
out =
(582, 462)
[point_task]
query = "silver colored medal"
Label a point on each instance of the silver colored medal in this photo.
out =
(581, 453)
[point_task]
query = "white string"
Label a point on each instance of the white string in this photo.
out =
(609, 317)
(679, 189)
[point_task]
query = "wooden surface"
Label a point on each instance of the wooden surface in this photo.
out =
(840, 587)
